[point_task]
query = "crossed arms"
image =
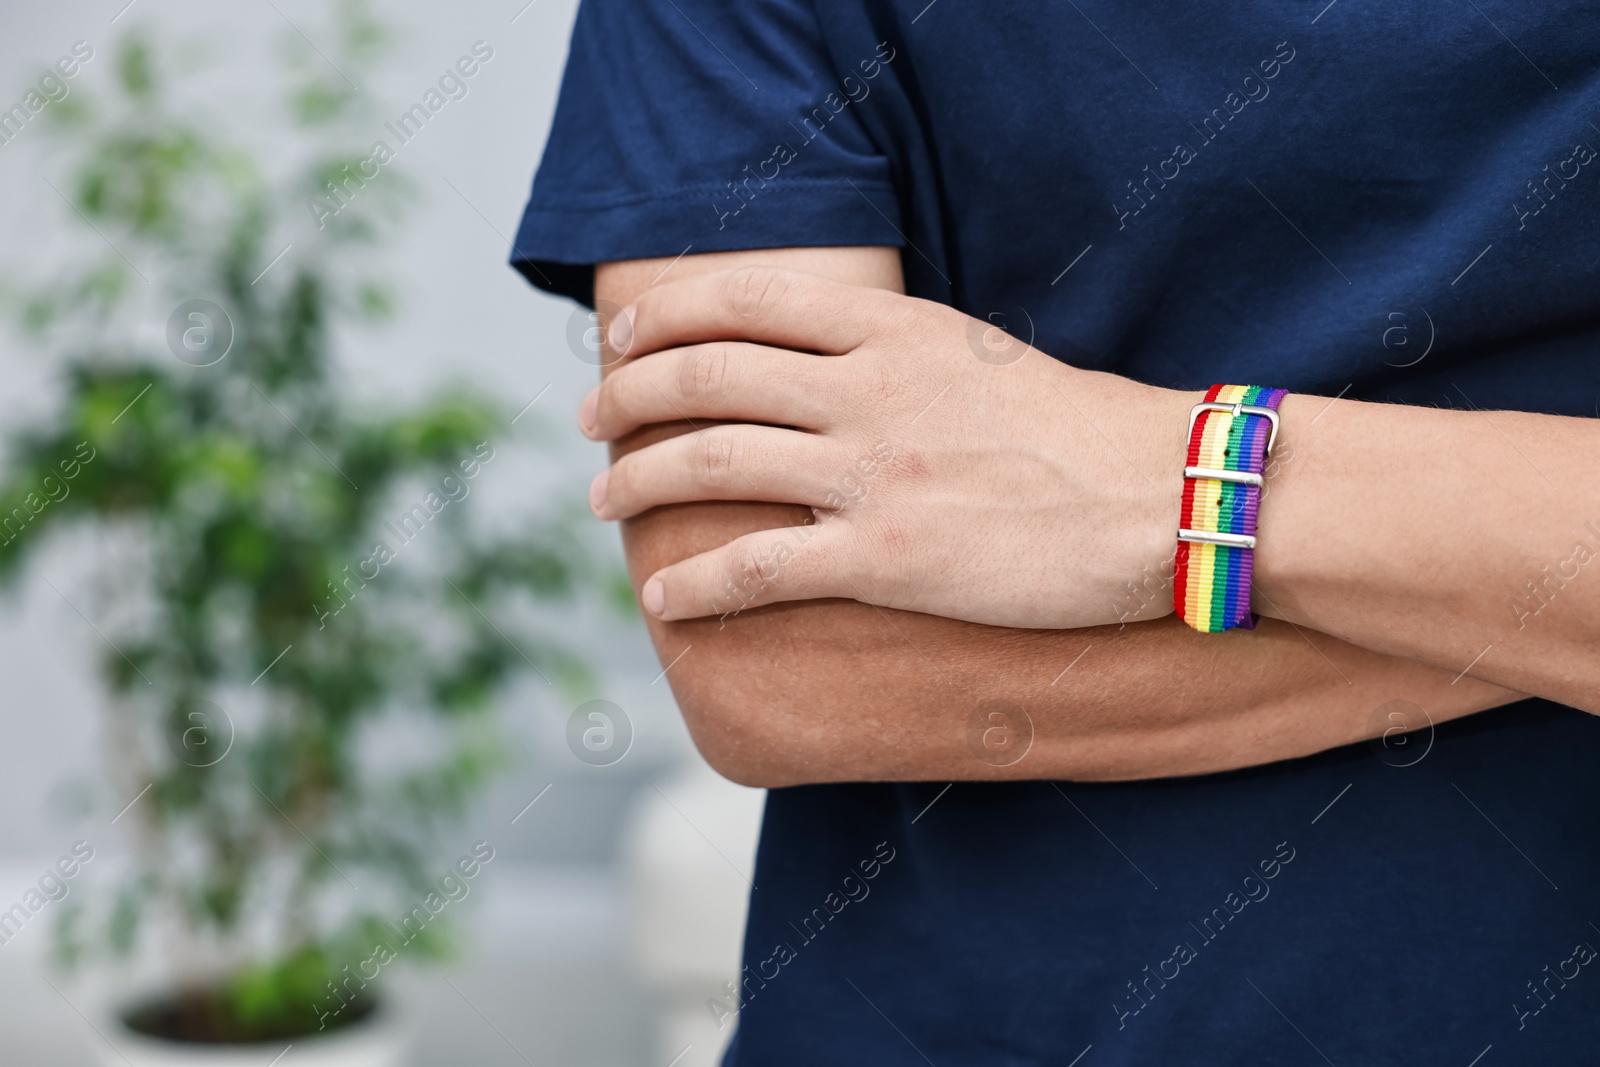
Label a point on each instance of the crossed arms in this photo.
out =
(827, 690)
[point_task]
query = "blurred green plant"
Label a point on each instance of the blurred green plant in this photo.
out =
(256, 644)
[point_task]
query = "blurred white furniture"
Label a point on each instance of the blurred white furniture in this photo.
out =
(688, 857)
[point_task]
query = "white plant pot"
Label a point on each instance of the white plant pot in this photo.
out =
(379, 1040)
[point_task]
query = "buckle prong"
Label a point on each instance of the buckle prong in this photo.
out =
(1236, 410)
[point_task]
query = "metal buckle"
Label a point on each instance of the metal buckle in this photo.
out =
(1228, 540)
(1238, 409)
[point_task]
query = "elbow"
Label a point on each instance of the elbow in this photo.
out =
(750, 737)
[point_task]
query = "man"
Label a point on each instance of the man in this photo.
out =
(1346, 203)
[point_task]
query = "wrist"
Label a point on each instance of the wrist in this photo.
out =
(1147, 425)
(1168, 437)
(1166, 442)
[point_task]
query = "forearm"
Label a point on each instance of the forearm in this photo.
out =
(837, 690)
(833, 690)
(1458, 538)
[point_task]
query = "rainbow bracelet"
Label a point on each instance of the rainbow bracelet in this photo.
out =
(1231, 435)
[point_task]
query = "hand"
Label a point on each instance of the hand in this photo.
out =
(952, 469)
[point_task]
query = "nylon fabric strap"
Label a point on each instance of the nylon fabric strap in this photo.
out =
(1211, 588)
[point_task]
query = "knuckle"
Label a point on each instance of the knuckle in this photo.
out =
(718, 456)
(739, 584)
(754, 569)
(749, 566)
(703, 376)
(751, 291)
(768, 559)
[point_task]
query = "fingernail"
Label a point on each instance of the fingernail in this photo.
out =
(597, 493)
(654, 597)
(586, 412)
(621, 332)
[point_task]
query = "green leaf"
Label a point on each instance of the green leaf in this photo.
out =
(134, 69)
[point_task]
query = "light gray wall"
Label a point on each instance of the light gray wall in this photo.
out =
(466, 316)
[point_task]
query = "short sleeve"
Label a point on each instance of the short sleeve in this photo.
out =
(700, 126)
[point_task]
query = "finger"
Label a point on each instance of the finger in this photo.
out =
(734, 462)
(767, 304)
(722, 380)
(769, 567)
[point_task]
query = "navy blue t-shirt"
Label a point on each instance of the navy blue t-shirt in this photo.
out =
(1387, 201)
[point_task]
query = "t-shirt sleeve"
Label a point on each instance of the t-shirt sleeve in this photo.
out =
(700, 126)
